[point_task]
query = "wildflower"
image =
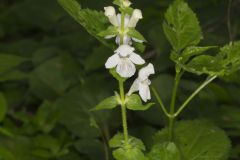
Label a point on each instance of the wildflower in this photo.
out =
(129, 22)
(142, 83)
(124, 60)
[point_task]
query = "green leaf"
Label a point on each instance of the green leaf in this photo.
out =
(110, 31)
(118, 141)
(8, 62)
(226, 62)
(5, 154)
(135, 34)
(134, 102)
(188, 53)
(128, 154)
(6, 132)
(198, 140)
(93, 21)
(164, 151)
(132, 151)
(181, 26)
(3, 107)
(116, 75)
(108, 103)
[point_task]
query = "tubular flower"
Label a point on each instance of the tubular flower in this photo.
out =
(124, 60)
(129, 22)
(142, 83)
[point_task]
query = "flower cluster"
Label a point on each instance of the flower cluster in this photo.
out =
(124, 58)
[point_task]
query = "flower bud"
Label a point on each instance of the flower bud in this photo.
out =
(136, 16)
(126, 3)
(111, 14)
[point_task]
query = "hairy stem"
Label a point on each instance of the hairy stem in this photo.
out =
(203, 85)
(124, 113)
(172, 105)
(160, 101)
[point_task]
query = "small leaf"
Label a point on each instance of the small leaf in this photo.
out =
(128, 154)
(188, 53)
(164, 151)
(132, 151)
(116, 75)
(135, 34)
(3, 107)
(108, 103)
(111, 31)
(118, 141)
(181, 26)
(134, 102)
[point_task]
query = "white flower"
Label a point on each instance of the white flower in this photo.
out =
(111, 14)
(142, 83)
(124, 59)
(136, 16)
(126, 3)
(129, 22)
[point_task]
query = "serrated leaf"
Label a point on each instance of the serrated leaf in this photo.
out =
(164, 151)
(118, 141)
(93, 21)
(135, 34)
(198, 140)
(181, 26)
(108, 103)
(134, 102)
(226, 62)
(3, 107)
(188, 53)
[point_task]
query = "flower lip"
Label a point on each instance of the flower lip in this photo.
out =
(145, 72)
(109, 11)
(126, 3)
(124, 50)
(137, 13)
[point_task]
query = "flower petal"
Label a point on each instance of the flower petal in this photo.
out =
(109, 36)
(145, 72)
(124, 50)
(134, 87)
(137, 40)
(112, 61)
(126, 68)
(136, 59)
(144, 92)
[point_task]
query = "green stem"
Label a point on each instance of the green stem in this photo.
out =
(172, 105)
(122, 28)
(160, 102)
(124, 113)
(203, 85)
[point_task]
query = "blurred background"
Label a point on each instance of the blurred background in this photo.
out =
(52, 72)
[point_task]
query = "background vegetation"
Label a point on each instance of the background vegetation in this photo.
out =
(52, 72)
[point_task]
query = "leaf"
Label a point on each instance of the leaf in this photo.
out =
(110, 31)
(135, 34)
(188, 53)
(181, 26)
(108, 103)
(132, 151)
(164, 151)
(118, 141)
(226, 62)
(134, 102)
(128, 154)
(93, 21)
(114, 73)
(5, 154)
(8, 62)
(3, 107)
(198, 140)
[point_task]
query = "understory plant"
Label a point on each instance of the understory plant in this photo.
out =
(115, 27)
